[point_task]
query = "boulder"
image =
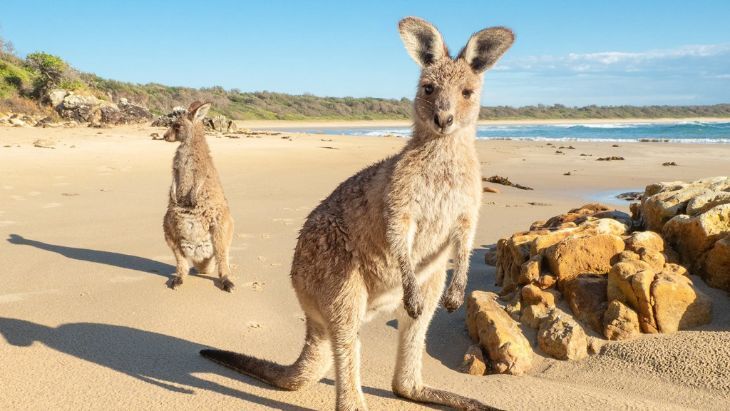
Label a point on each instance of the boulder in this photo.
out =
(508, 350)
(583, 254)
(706, 201)
(645, 239)
(530, 270)
(641, 286)
(716, 265)
(677, 304)
(586, 295)
(562, 338)
(655, 259)
(619, 281)
(169, 118)
(56, 96)
(532, 294)
(533, 315)
(620, 322)
(693, 236)
(474, 361)
(220, 123)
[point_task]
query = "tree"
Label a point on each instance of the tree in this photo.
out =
(50, 70)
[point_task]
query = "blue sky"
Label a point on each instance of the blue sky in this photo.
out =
(569, 52)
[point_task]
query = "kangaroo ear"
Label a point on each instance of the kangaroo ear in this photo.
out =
(486, 47)
(197, 111)
(423, 42)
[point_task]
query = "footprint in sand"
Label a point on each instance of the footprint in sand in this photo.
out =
(52, 205)
(255, 285)
(266, 235)
(244, 235)
(17, 197)
(126, 279)
(240, 247)
(286, 221)
(261, 258)
(34, 194)
(253, 324)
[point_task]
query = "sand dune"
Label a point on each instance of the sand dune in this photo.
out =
(86, 321)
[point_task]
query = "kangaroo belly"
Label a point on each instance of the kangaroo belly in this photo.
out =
(194, 237)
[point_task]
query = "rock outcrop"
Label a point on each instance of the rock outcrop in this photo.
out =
(508, 350)
(96, 112)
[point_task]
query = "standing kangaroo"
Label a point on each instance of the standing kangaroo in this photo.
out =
(386, 233)
(198, 224)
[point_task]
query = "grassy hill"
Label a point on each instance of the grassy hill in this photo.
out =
(25, 81)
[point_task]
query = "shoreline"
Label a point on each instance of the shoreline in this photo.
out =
(285, 124)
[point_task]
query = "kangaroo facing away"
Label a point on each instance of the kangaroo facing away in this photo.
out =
(198, 224)
(384, 236)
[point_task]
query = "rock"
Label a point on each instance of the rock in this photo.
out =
(562, 338)
(655, 259)
(532, 294)
(692, 236)
(586, 296)
(678, 305)
(17, 122)
(628, 255)
(155, 136)
(473, 361)
(706, 201)
(84, 109)
(641, 286)
(530, 270)
(133, 113)
(645, 239)
(546, 281)
(585, 254)
(533, 315)
(630, 196)
(56, 96)
(169, 118)
(508, 350)
(674, 269)
(489, 189)
(595, 345)
(220, 123)
(44, 143)
(619, 281)
(490, 256)
(610, 158)
(620, 322)
(663, 201)
(716, 265)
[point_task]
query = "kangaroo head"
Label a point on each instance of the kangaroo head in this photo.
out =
(449, 89)
(184, 127)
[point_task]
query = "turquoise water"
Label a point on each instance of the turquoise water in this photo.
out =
(678, 132)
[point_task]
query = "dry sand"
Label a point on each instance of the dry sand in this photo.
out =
(86, 321)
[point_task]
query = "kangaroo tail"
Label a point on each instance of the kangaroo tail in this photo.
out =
(312, 364)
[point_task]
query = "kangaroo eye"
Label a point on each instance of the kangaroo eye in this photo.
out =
(428, 89)
(467, 93)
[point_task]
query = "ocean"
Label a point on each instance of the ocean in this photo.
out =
(675, 132)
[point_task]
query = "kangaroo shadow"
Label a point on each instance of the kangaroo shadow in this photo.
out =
(120, 260)
(161, 360)
(447, 339)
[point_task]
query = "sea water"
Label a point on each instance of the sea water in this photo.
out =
(675, 132)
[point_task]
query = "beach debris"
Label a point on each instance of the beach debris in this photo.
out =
(489, 189)
(567, 173)
(558, 152)
(562, 338)
(330, 147)
(474, 361)
(615, 145)
(586, 155)
(44, 143)
(610, 158)
(669, 164)
(653, 140)
(630, 196)
(508, 350)
(566, 148)
(155, 136)
(505, 182)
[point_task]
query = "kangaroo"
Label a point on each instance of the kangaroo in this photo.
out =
(198, 224)
(381, 241)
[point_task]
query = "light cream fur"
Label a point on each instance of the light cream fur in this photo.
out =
(198, 225)
(381, 241)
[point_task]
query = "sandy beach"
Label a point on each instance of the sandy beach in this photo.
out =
(86, 321)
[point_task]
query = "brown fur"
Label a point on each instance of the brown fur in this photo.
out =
(198, 225)
(381, 241)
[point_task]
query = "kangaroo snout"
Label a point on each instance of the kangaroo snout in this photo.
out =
(443, 120)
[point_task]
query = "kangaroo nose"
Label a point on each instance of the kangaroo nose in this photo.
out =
(443, 120)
